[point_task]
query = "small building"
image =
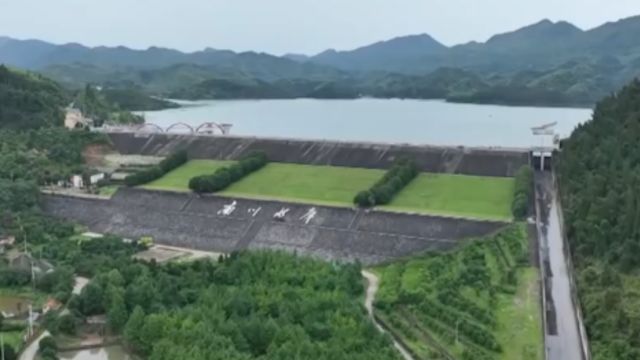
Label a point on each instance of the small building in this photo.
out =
(77, 181)
(6, 242)
(51, 305)
(74, 119)
(24, 262)
(94, 179)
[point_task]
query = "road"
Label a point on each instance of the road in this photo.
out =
(373, 283)
(562, 334)
(30, 352)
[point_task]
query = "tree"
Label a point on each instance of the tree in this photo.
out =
(91, 299)
(133, 328)
(117, 315)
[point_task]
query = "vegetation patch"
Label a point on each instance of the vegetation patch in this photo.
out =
(599, 176)
(307, 183)
(477, 302)
(523, 192)
(383, 191)
(225, 176)
(457, 195)
(170, 163)
(178, 179)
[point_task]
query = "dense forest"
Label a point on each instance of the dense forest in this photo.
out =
(29, 101)
(599, 176)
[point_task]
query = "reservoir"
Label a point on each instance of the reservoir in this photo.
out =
(433, 122)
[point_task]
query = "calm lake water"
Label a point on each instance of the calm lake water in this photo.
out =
(378, 120)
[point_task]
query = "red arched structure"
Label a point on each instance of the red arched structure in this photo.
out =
(210, 128)
(180, 125)
(149, 128)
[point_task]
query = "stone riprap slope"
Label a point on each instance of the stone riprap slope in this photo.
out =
(188, 220)
(457, 160)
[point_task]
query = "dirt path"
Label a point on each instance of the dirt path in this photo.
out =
(373, 283)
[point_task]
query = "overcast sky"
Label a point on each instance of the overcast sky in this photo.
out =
(281, 26)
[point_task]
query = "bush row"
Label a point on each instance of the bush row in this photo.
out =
(474, 333)
(227, 175)
(396, 178)
(523, 192)
(155, 172)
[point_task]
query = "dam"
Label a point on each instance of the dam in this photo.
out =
(224, 224)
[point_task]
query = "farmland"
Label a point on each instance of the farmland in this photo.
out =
(477, 302)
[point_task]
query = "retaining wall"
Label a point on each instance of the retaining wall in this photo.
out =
(191, 221)
(469, 161)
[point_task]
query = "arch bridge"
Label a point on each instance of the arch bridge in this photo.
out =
(207, 128)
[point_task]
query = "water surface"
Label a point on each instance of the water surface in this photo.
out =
(378, 120)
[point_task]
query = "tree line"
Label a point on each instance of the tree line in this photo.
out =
(395, 179)
(523, 192)
(225, 176)
(599, 176)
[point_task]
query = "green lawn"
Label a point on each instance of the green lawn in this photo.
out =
(520, 319)
(440, 194)
(178, 179)
(305, 183)
(458, 195)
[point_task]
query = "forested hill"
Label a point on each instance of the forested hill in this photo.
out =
(599, 175)
(29, 101)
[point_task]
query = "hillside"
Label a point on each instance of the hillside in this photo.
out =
(599, 172)
(29, 101)
(535, 47)
(546, 64)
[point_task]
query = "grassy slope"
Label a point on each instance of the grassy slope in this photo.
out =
(178, 179)
(446, 194)
(408, 287)
(441, 194)
(317, 184)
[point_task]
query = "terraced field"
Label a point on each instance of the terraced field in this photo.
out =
(436, 194)
(478, 302)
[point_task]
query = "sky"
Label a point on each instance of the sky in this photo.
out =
(287, 26)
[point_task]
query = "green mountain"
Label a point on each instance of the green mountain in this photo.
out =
(547, 63)
(384, 55)
(29, 101)
(599, 174)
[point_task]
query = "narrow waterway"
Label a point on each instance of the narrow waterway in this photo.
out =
(562, 333)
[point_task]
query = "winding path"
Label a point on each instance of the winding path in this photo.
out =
(373, 283)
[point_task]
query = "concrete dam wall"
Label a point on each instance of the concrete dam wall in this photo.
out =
(458, 160)
(222, 224)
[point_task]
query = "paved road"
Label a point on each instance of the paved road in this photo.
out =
(373, 283)
(30, 352)
(562, 333)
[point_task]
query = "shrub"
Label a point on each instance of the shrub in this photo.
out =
(522, 193)
(46, 345)
(227, 175)
(394, 180)
(155, 172)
